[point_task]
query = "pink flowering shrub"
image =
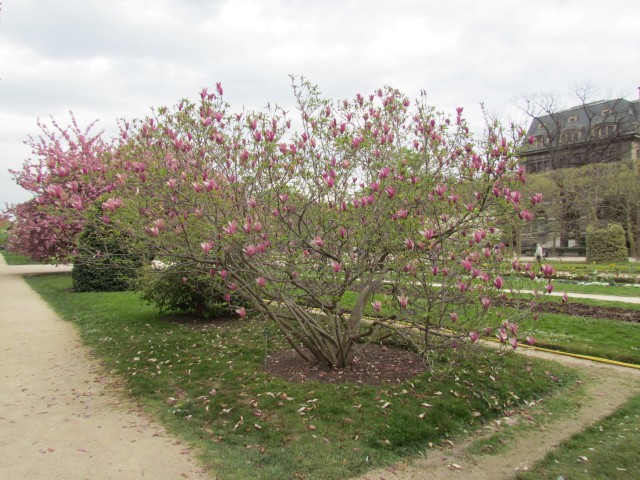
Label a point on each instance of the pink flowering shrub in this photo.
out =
(375, 195)
(65, 177)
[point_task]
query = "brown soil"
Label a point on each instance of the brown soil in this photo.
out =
(582, 310)
(373, 365)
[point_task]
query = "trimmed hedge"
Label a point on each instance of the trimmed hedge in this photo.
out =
(105, 262)
(607, 244)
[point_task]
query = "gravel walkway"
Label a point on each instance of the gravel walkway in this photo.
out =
(60, 416)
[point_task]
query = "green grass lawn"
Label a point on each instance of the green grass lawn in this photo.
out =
(205, 381)
(606, 450)
(586, 336)
(614, 340)
(620, 290)
(15, 259)
(632, 268)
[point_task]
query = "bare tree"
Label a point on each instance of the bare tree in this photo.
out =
(590, 132)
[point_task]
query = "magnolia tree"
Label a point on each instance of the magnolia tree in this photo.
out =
(377, 206)
(65, 177)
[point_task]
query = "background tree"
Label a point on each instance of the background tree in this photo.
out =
(65, 177)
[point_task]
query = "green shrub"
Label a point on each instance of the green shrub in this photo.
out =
(181, 288)
(106, 260)
(606, 244)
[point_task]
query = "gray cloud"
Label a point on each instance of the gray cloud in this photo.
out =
(117, 59)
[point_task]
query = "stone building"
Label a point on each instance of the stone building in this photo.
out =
(604, 131)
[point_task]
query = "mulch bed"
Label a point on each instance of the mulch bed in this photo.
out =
(582, 310)
(373, 365)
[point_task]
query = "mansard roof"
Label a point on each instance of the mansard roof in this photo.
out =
(624, 113)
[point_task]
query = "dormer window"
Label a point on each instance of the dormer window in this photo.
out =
(572, 119)
(540, 126)
(606, 112)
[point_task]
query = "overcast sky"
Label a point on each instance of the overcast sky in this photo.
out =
(111, 59)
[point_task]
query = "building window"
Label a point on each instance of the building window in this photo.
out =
(603, 130)
(606, 112)
(572, 119)
(540, 126)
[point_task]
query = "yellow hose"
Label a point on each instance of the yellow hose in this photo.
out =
(574, 355)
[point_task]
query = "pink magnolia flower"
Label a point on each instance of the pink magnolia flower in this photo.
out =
(428, 234)
(466, 264)
(547, 270)
(112, 204)
(474, 336)
(206, 247)
(549, 288)
(77, 203)
(376, 305)
(565, 298)
(440, 190)
(486, 303)
(454, 316)
(404, 301)
(317, 242)
(384, 173)
(526, 215)
(531, 340)
(410, 244)
(261, 281)
(231, 228)
(498, 282)
(391, 192)
(514, 342)
(250, 250)
(223, 273)
(242, 312)
(336, 266)
(343, 232)
(502, 335)
(536, 198)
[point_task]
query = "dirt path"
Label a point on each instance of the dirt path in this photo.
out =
(60, 418)
(608, 388)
